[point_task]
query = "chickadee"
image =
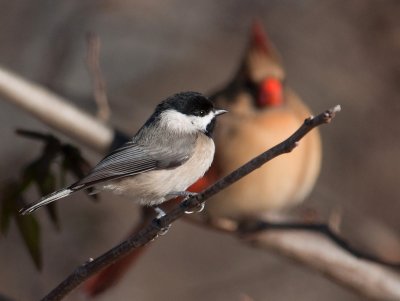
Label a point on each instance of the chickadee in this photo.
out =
(170, 152)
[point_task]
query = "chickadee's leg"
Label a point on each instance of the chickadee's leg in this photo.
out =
(159, 211)
(160, 214)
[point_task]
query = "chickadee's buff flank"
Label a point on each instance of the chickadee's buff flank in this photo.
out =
(170, 152)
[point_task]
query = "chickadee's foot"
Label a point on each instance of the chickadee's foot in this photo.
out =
(185, 194)
(160, 214)
(198, 209)
(164, 230)
(188, 194)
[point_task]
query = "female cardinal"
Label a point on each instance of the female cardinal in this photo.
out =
(262, 112)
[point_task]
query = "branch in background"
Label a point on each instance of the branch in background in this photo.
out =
(314, 250)
(351, 268)
(254, 226)
(98, 83)
(55, 111)
(152, 230)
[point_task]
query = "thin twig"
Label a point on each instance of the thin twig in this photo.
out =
(98, 83)
(151, 231)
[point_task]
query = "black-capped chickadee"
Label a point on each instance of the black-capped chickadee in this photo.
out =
(170, 152)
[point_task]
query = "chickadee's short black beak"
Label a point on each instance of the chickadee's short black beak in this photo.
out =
(220, 112)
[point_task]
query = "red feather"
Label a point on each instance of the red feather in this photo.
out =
(259, 38)
(270, 93)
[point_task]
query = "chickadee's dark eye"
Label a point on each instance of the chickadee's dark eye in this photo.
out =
(201, 113)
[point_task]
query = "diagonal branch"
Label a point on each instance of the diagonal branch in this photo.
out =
(151, 231)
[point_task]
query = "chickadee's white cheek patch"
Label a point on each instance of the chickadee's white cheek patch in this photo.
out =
(177, 122)
(201, 123)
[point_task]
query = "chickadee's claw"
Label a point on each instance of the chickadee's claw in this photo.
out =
(88, 261)
(164, 230)
(190, 194)
(199, 209)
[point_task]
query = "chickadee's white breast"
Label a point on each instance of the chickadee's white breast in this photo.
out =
(150, 188)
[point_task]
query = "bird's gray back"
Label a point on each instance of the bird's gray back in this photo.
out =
(148, 150)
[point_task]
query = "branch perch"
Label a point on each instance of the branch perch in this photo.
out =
(151, 231)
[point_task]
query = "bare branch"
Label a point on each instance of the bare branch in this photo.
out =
(314, 250)
(151, 231)
(98, 83)
(55, 111)
(322, 250)
(254, 226)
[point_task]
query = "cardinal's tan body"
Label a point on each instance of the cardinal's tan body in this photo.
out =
(283, 182)
(252, 127)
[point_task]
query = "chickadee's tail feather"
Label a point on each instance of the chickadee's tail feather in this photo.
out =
(46, 200)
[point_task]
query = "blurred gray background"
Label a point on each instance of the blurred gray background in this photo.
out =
(345, 52)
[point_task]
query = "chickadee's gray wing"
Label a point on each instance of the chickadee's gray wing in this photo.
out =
(132, 159)
(128, 160)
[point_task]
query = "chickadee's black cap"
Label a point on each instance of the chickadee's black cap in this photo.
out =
(189, 103)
